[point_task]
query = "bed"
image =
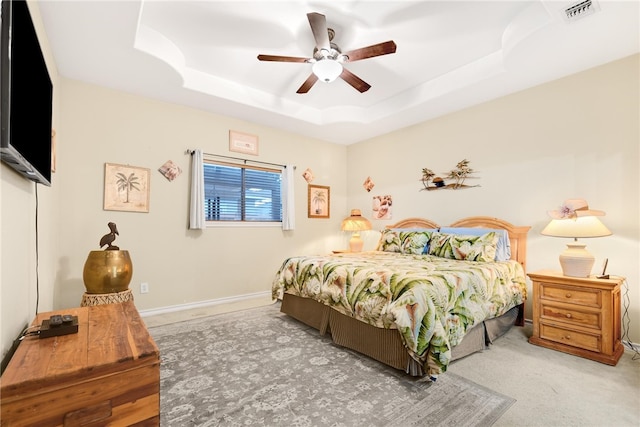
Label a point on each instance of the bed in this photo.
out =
(410, 303)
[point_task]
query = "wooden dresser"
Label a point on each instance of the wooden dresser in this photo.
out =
(106, 374)
(576, 315)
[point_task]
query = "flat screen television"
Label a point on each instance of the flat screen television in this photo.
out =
(26, 95)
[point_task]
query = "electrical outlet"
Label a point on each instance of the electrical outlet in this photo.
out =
(144, 287)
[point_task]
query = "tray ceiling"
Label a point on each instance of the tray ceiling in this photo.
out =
(450, 55)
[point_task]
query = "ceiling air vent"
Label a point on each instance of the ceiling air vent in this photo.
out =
(581, 10)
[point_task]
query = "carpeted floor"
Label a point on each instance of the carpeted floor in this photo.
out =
(260, 367)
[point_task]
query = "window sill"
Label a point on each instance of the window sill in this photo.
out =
(242, 224)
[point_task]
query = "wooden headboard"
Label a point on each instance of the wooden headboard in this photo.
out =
(414, 223)
(517, 234)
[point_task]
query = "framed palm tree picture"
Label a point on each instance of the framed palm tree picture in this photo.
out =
(319, 201)
(126, 188)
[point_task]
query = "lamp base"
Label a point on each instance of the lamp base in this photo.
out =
(356, 243)
(576, 261)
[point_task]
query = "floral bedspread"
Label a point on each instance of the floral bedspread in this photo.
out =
(432, 301)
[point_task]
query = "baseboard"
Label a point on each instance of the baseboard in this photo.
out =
(631, 347)
(202, 304)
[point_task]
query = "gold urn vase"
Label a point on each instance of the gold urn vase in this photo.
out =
(107, 272)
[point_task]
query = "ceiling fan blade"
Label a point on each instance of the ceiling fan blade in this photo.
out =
(311, 80)
(355, 81)
(278, 58)
(371, 51)
(318, 24)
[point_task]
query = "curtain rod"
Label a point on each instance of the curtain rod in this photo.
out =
(239, 158)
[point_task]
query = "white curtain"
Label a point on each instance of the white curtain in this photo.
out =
(196, 209)
(288, 204)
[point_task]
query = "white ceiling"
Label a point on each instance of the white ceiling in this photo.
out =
(450, 55)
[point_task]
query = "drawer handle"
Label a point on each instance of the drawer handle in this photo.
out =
(568, 315)
(568, 295)
(567, 337)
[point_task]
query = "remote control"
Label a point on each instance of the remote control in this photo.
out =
(55, 320)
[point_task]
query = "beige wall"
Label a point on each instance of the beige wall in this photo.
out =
(576, 137)
(181, 266)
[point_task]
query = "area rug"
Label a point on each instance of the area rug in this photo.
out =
(261, 367)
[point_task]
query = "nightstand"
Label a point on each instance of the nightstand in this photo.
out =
(580, 316)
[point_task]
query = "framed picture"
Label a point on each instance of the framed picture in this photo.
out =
(319, 201)
(170, 170)
(126, 188)
(382, 207)
(243, 143)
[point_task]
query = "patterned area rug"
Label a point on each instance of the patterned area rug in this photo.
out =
(261, 367)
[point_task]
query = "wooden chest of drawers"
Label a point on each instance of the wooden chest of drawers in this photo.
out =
(575, 315)
(106, 374)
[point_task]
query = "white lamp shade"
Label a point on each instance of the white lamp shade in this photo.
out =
(580, 227)
(327, 70)
(355, 222)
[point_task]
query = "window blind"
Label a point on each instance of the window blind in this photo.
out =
(236, 192)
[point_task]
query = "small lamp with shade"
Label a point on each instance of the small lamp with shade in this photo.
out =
(575, 220)
(355, 223)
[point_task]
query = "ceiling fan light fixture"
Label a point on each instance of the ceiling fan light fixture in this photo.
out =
(327, 70)
(327, 58)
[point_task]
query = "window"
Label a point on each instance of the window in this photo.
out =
(241, 193)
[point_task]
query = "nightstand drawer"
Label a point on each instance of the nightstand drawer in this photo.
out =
(569, 337)
(571, 295)
(573, 317)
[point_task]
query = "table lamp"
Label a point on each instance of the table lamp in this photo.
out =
(574, 219)
(355, 223)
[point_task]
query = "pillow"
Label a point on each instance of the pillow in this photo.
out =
(464, 247)
(503, 249)
(405, 240)
(389, 241)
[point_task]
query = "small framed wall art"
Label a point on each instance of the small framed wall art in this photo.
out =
(319, 201)
(243, 143)
(170, 170)
(126, 188)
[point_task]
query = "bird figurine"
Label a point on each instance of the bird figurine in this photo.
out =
(107, 239)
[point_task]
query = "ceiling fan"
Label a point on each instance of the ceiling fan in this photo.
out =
(327, 57)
